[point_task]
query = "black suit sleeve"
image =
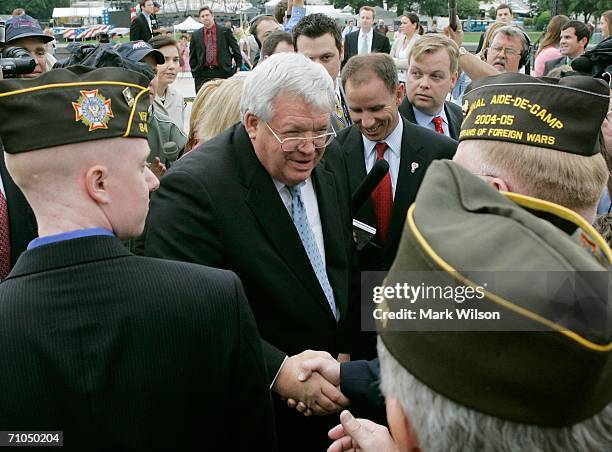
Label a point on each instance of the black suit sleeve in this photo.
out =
(359, 381)
(181, 205)
(193, 57)
(386, 47)
(250, 379)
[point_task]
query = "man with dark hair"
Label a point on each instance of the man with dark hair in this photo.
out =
(366, 39)
(211, 50)
(575, 37)
(278, 42)
(318, 37)
(503, 14)
(141, 28)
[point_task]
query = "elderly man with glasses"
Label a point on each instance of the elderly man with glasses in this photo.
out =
(261, 200)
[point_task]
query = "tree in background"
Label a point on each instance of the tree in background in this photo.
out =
(468, 8)
(39, 9)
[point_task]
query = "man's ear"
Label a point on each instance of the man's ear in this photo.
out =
(454, 78)
(401, 429)
(498, 184)
(342, 52)
(251, 122)
(399, 94)
(96, 183)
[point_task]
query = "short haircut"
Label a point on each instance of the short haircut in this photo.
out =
(18, 12)
(503, 6)
(513, 31)
(276, 37)
(440, 424)
(360, 69)
(316, 25)
(282, 75)
(368, 8)
(143, 2)
(580, 29)
(157, 42)
(205, 8)
(254, 24)
(431, 43)
(573, 181)
(280, 10)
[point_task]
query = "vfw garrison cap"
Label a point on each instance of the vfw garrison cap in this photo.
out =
(72, 105)
(513, 107)
(548, 374)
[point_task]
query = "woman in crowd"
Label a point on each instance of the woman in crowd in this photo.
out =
(221, 109)
(197, 112)
(549, 44)
(183, 46)
(410, 28)
(605, 24)
(168, 99)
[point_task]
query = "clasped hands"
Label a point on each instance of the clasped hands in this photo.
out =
(310, 382)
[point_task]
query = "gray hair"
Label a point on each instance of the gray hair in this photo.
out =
(513, 32)
(443, 425)
(283, 74)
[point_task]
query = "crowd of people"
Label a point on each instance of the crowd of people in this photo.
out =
(185, 286)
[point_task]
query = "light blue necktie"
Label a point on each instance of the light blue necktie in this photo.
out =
(300, 219)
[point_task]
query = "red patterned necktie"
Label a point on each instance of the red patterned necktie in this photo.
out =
(438, 123)
(382, 196)
(211, 48)
(5, 239)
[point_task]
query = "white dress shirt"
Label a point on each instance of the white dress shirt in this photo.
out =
(368, 37)
(392, 154)
(424, 119)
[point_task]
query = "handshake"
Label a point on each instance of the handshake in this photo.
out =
(310, 382)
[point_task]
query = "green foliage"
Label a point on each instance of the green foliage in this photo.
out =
(433, 8)
(468, 8)
(39, 9)
(542, 20)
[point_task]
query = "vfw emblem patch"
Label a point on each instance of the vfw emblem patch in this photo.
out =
(93, 110)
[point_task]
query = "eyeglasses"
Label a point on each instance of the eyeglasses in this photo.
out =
(295, 143)
(509, 50)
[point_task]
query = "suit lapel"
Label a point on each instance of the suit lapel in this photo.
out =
(265, 203)
(453, 121)
(407, 184)
(353, 147)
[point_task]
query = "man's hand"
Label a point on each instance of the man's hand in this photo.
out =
(315, 392)
(455, 35)
(360, 434)
(327, 366)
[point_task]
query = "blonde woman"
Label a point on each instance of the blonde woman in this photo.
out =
(221, 109)
(197, 112)
(605, 24)
(409, 33)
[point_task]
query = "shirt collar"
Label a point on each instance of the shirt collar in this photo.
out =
(393, 140)
(48, 239)
(424, 119)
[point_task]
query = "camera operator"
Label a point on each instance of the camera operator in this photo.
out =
(24, 32)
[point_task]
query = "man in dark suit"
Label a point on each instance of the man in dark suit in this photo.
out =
(260, 199)
(432, 74)
(141, 28)
(366, 39)
(573, 42)
(380, 132)
(211, 50)
(119, 352)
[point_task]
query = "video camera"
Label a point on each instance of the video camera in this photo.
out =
(16, 60)
(596, 62)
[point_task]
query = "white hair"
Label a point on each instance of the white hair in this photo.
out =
(285, 74)
(442, 425)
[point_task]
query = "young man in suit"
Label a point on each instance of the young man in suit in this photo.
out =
(432, 74)
(366, 39)
(575, 37)
(374, 94)
(211, 50)
(261, 200)
(141, 28)
(138, 353)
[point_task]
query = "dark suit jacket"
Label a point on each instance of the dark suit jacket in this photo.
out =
(380, 43)
(419, 145)
(454, 114)
(227, 49)
(359, 381)
(139, 29)
(550, 65)
(130, 353)
(218, 206)
(22, 223)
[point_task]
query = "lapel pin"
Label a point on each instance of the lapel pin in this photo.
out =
(415, 166)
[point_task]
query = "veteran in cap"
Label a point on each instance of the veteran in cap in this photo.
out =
(118, 352)
(540, 378)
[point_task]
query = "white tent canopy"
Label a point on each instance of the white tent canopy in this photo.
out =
(77, 12)
(189, 24)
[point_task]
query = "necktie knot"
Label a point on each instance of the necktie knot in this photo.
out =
(437, 121)
(381, 148)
